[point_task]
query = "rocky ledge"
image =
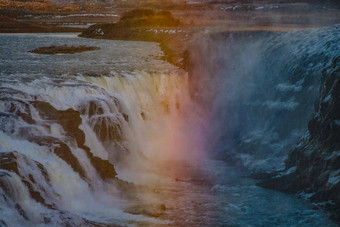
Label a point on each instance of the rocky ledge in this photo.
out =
(313, 167)
(63, 49)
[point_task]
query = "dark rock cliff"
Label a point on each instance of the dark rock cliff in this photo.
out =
(313, 166)
(259, 90)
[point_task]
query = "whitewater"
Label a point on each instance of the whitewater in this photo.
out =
(113, 137)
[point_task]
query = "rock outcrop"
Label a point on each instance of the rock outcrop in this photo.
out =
(63, 49)
(150, 26)
(134, 25)
(70, 120)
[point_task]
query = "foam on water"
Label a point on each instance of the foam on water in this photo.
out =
(120, 106)
(129, 117)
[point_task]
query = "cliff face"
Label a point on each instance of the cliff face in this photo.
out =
(259, 90)
(313, 166)
(262, 90)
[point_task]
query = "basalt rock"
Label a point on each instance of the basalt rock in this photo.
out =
(8, 161)
(104, 168)
(92, 108)
(70, 120)
(16, 108)
(62, 150)
(313, 167)
(106, 129)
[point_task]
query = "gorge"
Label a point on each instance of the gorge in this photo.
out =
(117, 136)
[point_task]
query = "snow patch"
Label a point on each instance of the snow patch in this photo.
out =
(280, 105)
(305, 196)
(287, 172)
(230, 8)
(168, 31)
(288, 87)
(98, 31)
(334, 154)
(334, 177)
(328, 98)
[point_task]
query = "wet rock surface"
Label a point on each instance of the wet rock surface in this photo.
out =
(70, 120)
(62, 150)
(313, 167)
(8, 162)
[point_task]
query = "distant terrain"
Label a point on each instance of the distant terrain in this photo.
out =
(11, 25)
(211, 15)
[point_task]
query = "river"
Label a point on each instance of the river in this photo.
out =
(135, 112)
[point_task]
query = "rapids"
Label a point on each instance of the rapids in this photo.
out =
(112, 138)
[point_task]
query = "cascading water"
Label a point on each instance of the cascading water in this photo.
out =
(65, 136)
(260, 88)
(112, 137)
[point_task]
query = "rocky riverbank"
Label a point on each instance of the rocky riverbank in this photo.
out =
(150, 26)
(313, 166)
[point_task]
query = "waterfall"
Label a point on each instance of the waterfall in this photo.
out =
(260, 89)
(68, 142)
(99, 138)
